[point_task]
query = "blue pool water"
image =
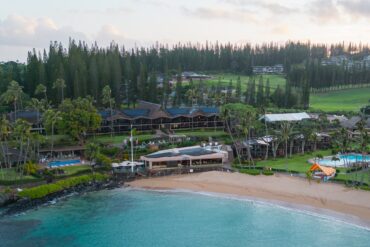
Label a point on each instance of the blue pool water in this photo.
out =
(60, 163)
(127, 218)
(345, 159)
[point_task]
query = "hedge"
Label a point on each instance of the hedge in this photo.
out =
(253, 172)
(46, 189)
(267, 172)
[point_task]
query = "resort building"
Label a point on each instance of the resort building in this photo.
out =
(150, 116)
(285, 117)
(276, 69)
(146, 116)
(187, 157)
(258, 147)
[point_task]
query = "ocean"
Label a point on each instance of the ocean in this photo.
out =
(129, 217)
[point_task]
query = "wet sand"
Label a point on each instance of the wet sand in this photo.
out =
(282, 189)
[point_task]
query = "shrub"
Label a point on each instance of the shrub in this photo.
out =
(113, 151)
(267, 172)
(253, 172)
(103, 161)
(30, 168)
(364, 187)
(47, 189)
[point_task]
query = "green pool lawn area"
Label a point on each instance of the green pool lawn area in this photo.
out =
(297, 163)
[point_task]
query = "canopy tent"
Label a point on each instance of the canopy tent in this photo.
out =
(323, 170)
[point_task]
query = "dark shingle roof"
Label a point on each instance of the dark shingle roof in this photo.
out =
(136, 112)
(178, 111)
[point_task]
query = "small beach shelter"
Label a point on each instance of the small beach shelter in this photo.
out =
(322, 171)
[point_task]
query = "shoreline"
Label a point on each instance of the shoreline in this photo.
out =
(322, 199)
(22, 205)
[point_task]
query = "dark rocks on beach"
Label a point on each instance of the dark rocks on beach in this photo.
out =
(23, 204)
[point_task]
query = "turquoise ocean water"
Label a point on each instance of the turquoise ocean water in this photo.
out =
(125, 217)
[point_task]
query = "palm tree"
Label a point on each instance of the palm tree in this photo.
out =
(306, 130)
(38, 106)
(263, 110)
(5, 130)
(60, 84)
(286, 131)
(218, 99)
(192, 95)
(50, 119)
(314, 138)
(41, 89)
(364, 138)
(335, 159)
(13, 94)
(92, 152)
(247, 123)
(226, 116)
(22, 134)
(108, 100)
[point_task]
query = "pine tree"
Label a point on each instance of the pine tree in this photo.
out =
(152, 97)
(267, 92)
(179, 91)
(238, 91)
(260, 94)
(252, 96)
(229, 92)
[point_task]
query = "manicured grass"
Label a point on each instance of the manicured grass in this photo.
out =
(343, 100)
(275, 80)
(9, 174)
(145, 137)
(203, 133)
(362, 176)
(72, 170)
(120, 138)
(298, 163)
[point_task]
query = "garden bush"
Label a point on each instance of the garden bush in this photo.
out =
(110, 151)
(253, 172)
(46, 189)
(267, 172)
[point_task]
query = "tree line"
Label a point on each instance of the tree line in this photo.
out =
(132, 74)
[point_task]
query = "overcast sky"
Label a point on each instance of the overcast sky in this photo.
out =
(27, 24)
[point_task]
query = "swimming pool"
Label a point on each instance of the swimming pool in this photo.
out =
(61, 163)
(344, 160)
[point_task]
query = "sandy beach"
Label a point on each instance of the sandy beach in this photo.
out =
(323, 197)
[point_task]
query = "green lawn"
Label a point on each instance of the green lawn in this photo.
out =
(343, 100)
(10, 174)
(203, 133)
(120, 138)
(298, 163)
(275, 80)
(72, 170)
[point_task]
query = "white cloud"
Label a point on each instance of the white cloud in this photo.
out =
(356, 8)
(17, 30)
(239, 15)
(323, 11)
